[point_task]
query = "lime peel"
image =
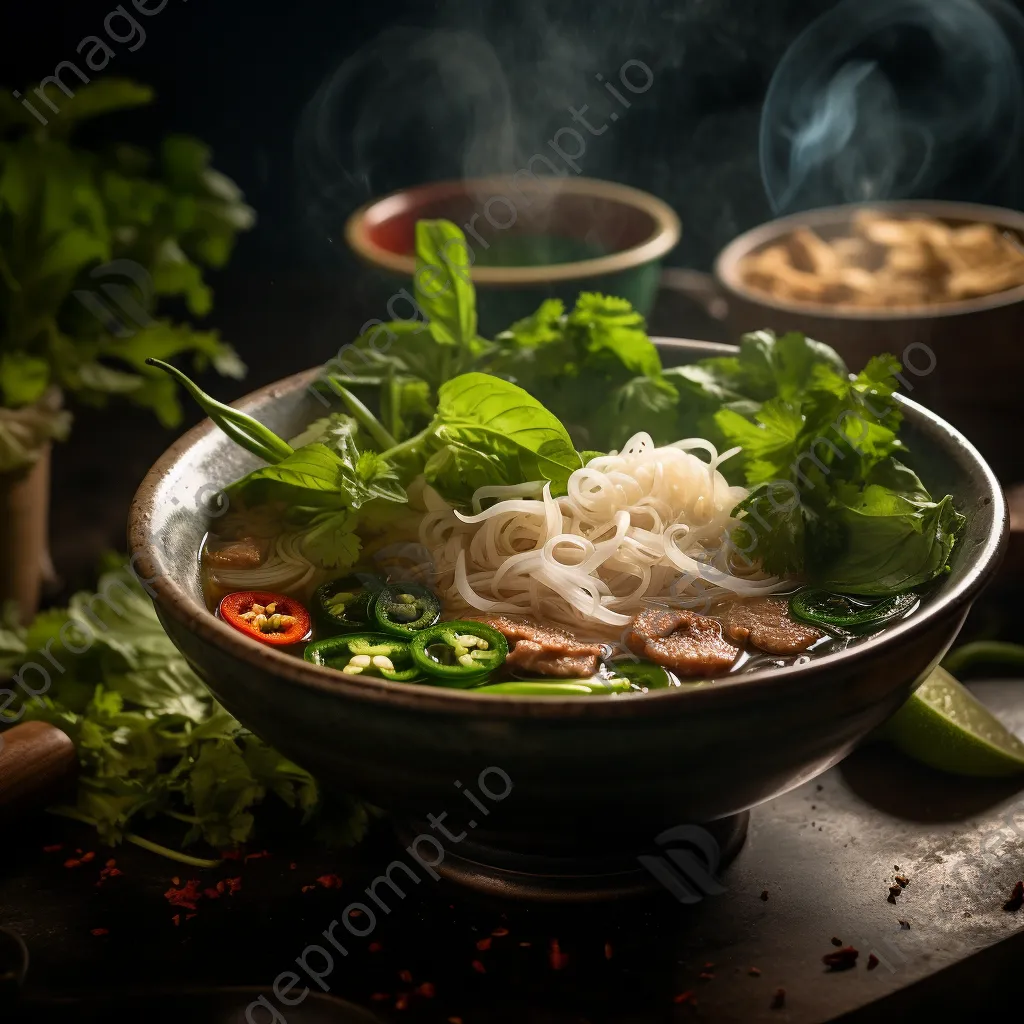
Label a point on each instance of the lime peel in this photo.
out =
(946, 727)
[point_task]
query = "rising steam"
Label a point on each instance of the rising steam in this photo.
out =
(888, 99)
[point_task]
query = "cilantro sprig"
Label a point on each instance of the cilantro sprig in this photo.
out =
(151, 740)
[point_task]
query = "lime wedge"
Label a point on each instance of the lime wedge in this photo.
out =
(944, 726)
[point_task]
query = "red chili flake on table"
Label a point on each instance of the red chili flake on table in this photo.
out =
(483, 944)
(426, 990)
(212, 894)
(222, 887)
(402, 1002)
(842, 959)
(292, 866)
(705, 976)
(176, 919)
(374, 947)
(72, 862)
(478, 967)
(308, 888)
(111, 863)
(188, 917)
(233, 884)
(754, 972)
(500, 933)
(379, 997)
(53, 848)
(902, 881)
(526, 945)
(175, 880)
(687, 997)
(330, 881)
(187, 896)
(1016, 899)
(355, 913)
(764, 895)
(88, 858)
(405, 976)
(260, 855)
(872, 961)
(454, 1020)
(100, 931)
(709, 966)
(233, 855)
(779, 999)
(556, 957)
(608, 951)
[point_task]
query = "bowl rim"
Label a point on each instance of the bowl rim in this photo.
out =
(667, 229)
(727, 263)
(172, 600)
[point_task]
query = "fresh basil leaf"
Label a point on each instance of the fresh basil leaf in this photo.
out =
(457, 470)
(309, 476)
(442, 283)
(891, 543)
(498, 417)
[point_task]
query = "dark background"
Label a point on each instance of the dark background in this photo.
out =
(426, 89)
(315, 106)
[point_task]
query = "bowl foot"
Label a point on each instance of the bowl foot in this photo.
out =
(682, 861)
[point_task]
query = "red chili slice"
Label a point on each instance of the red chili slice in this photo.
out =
(246, 610)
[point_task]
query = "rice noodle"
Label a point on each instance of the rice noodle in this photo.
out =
(647, 524)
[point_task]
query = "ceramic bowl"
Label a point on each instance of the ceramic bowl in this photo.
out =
(599, 776)
(962, 359)
(531, 238)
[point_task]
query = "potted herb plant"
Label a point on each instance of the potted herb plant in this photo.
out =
(92, 241)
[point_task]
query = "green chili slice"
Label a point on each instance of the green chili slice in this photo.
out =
(343, 605)
(836, 612)
(405, 608)
(644, 675)
(458, 653)
(369, 654)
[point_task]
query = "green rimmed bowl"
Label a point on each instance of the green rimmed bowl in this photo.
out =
(531, 238)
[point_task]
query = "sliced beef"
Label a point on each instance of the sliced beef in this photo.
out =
(528, 656)
(683, 641)
(766, 623)
(246, 553)
(544, 649)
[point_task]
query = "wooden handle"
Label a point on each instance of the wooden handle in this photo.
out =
(37, 761)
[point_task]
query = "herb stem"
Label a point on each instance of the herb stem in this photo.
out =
(189, 819)
(62, 811)
(166, 851)
(410, 444)
(373, 426)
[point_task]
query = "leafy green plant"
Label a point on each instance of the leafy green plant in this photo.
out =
(91, 242)
(152, 742)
